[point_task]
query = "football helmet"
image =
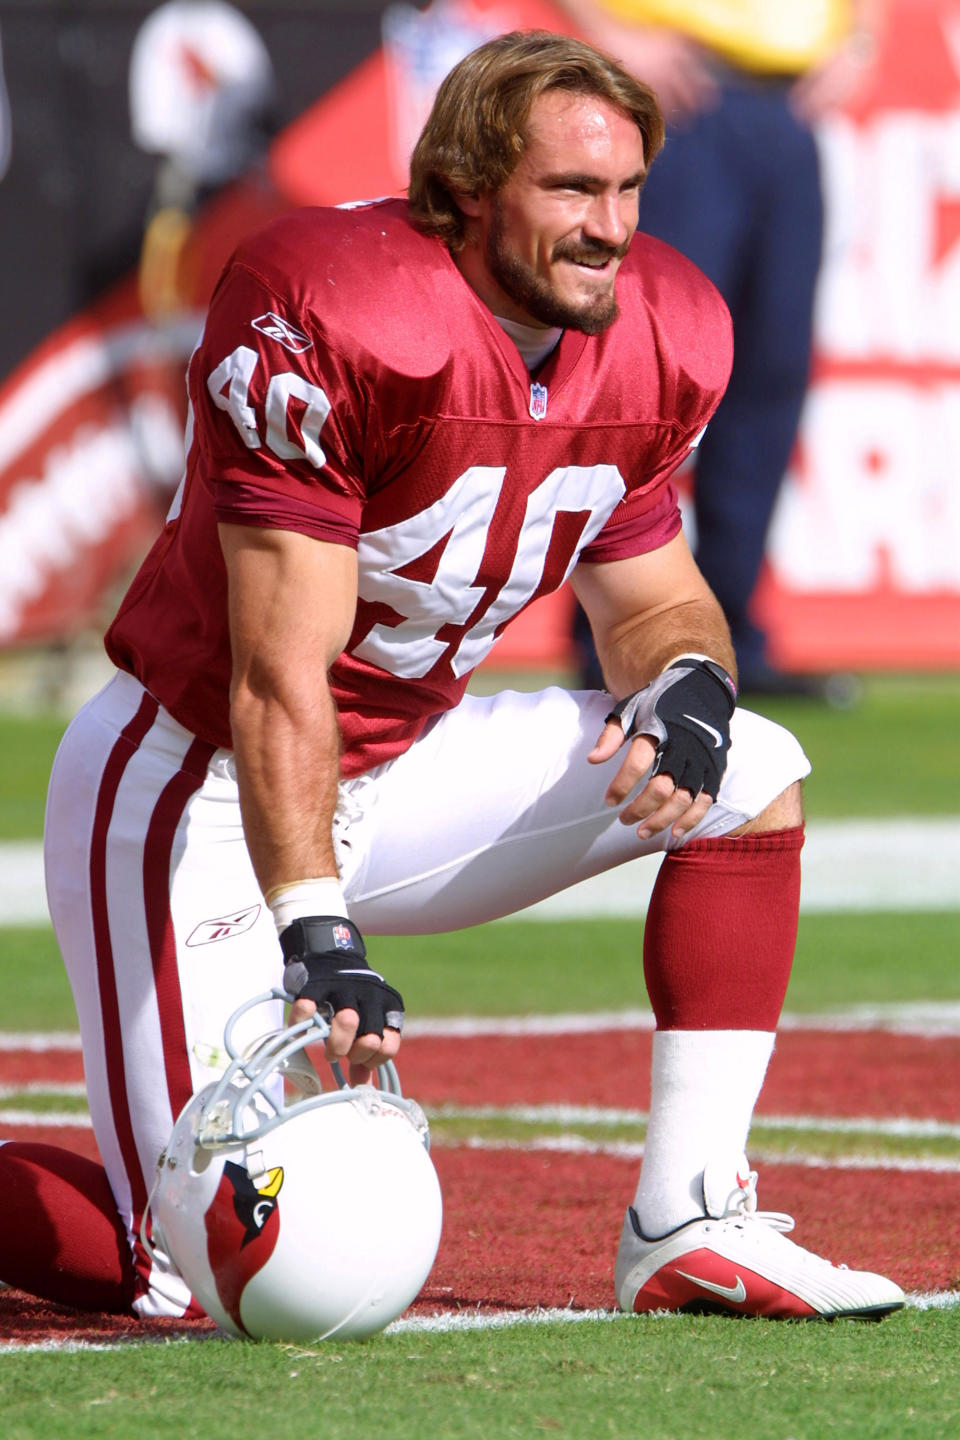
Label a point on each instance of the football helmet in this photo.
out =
(296, 1216)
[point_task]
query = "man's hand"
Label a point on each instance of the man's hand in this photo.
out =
(679, 724)
(665, 59)
(837, 81)
(671, 64)
(326, 966)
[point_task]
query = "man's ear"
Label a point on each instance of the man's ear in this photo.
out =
(468, 205)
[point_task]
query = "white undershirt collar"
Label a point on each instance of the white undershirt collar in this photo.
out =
(533, 342)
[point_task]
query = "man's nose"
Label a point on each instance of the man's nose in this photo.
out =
(608, 219)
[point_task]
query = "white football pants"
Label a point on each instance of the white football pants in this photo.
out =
(164, 930)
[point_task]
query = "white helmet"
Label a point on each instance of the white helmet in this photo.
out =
(297, 1220)
(201, 83)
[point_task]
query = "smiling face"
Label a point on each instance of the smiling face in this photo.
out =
(546, 247)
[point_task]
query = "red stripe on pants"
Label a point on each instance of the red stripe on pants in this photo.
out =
(121, 755)
(157, 853)
(158, 848)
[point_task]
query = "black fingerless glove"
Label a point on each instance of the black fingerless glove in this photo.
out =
(327, 963)
(687, 711)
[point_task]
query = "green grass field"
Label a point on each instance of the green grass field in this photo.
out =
(841, 960)
(893, 753)
(663, 1378)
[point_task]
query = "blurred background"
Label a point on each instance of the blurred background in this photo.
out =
(137, 142)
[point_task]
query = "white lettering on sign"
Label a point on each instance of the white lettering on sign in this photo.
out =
(88, 487)
(875, 504)
(890, 286)
(878, 499)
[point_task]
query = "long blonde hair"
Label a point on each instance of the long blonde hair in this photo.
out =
(474, 135)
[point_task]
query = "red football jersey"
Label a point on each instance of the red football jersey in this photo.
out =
(351, 385)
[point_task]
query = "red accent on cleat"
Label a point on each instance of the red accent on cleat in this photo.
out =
(709, 1280)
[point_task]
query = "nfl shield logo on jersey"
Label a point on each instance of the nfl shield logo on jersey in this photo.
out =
(342, 937)
(538, 400)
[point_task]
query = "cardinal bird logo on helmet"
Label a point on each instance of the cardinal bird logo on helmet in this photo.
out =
(242, 1225)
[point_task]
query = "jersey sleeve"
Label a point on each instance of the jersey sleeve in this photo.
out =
(280, 420)
(678, 319)
(643, 521)
(649, 515)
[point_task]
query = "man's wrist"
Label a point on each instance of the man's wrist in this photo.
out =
(720, 672)
(318, 895)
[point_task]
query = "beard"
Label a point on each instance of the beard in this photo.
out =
(536, 296)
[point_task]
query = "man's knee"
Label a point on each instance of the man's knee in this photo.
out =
(783, 813)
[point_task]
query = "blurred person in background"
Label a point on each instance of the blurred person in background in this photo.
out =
(737, 190)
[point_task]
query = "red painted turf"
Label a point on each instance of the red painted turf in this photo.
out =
(524, 1229)
(22, 1067)
(527, 1228)
(812, 1072)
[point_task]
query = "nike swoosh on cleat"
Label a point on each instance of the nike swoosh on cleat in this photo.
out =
(737, 1293)
(717, 737)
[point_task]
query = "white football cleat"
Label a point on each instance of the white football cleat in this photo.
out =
(738, 1261)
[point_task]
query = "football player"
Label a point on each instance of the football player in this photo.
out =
(408, 420)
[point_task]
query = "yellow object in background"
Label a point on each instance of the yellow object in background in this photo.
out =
(161, 280)
(766, 36)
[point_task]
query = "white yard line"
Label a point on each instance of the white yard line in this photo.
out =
(451, 1322)
(633, 1150)
(590, 1115)
(925, 1019)
(896, 1127)
(576, 1144)
(886, 864)
(586, 1116)
(73, 1089)
(43, 1119)
(37, 1042)
(499, 1320)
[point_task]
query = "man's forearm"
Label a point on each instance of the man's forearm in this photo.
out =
(292, 601)
(632, 656)
(287, 753)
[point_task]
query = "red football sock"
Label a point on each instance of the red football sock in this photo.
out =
(721, 931)
(61, 1237)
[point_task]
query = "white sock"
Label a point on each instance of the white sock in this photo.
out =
(704, 1085)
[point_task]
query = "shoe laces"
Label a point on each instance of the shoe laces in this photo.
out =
(742, 1205)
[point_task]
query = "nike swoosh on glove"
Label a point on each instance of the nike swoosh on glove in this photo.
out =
(687, 711)
(327, 963)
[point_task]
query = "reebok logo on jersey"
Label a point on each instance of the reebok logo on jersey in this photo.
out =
(282, 331)
(224, 927)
